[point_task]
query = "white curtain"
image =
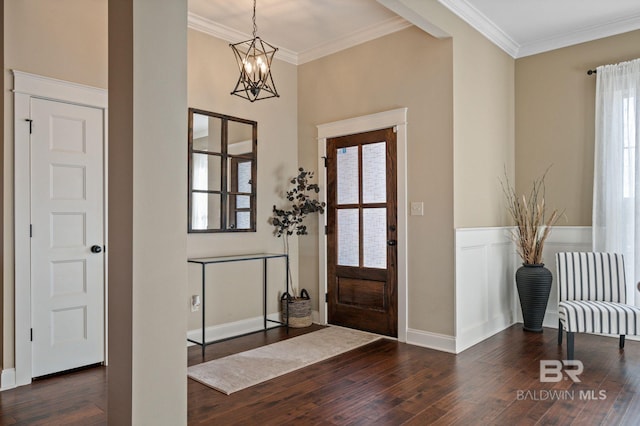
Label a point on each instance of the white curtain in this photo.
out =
(616, 192)
(199, 202)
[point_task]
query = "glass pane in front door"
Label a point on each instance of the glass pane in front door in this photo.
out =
(374, 239)
(348, 237)
(348, 175)
(374, 173)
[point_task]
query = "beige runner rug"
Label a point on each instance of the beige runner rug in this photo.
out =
(239, 371)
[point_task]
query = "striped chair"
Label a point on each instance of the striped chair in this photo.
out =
(592, 297)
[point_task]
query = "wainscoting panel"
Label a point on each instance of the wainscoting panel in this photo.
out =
(486, 296)
(484, 284)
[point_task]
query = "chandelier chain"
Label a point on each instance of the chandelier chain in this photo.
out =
(255, 27)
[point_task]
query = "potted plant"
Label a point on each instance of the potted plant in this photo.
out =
(296, 309)
(532, 227)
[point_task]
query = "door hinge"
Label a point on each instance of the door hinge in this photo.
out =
(326, 161)
(326, 297)
(31, 337)
(326, 230)
(30, 121)
(395, 129)
(30, 231)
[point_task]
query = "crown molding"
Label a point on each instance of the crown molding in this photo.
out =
(415, 18)
(360, 36)
(391, 25)
(207, 26)
(583, 35)
(465, 11)
(472, 16)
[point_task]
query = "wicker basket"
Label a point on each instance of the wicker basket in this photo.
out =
(298, 308)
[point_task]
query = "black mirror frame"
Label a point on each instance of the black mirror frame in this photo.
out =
(225, 191)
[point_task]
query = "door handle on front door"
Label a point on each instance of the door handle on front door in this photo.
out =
(96, 249)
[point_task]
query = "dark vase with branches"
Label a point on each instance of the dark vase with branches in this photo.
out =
(290, 220)
(532, 227)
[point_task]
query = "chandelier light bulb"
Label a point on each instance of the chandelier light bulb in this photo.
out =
(247, 66)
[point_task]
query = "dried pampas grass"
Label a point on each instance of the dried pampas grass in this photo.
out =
(532, 223)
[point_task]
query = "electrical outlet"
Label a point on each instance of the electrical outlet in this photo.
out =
(195, 303)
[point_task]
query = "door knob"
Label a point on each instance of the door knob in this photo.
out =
(96, 249)
(391, 242)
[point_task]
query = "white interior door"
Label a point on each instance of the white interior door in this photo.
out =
(67, 258)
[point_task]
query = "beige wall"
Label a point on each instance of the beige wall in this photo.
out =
(483, 118)
(405, 69)
(469, 111)
(484, 96)
(63, 39)
(235, 290)
(555, 112)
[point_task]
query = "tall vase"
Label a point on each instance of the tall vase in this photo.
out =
(534, 286)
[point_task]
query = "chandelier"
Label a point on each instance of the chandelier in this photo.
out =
(254, 59)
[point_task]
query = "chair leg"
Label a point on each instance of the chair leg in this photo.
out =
(622, 341)
(570, 336)
(559, 332)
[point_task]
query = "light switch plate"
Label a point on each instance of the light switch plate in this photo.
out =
(417, 208)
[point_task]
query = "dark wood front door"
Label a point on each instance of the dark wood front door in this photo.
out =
(362, 232)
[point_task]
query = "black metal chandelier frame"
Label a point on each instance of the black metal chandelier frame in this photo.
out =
(254, 58)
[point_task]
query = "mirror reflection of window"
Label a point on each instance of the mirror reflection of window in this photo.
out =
(199, 207)
(222, 172)
(240, 202)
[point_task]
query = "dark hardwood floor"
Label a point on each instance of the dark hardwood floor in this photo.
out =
(494, 382)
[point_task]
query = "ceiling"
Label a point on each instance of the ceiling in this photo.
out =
(308, 29)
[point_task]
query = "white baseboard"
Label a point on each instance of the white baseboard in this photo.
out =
(439, 342)
(483, 331)
(8, 379)
(237, 328)
(550, 319)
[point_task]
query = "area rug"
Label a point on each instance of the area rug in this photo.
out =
(239, 371)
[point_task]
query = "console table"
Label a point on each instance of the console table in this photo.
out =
(204, 261)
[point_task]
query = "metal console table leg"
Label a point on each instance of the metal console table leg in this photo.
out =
(264, 292)
(203, 303)
(203, 262)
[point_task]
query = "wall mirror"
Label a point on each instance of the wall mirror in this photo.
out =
(222, 172)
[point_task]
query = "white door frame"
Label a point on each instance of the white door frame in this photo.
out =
(394, 118)
(25, 87)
